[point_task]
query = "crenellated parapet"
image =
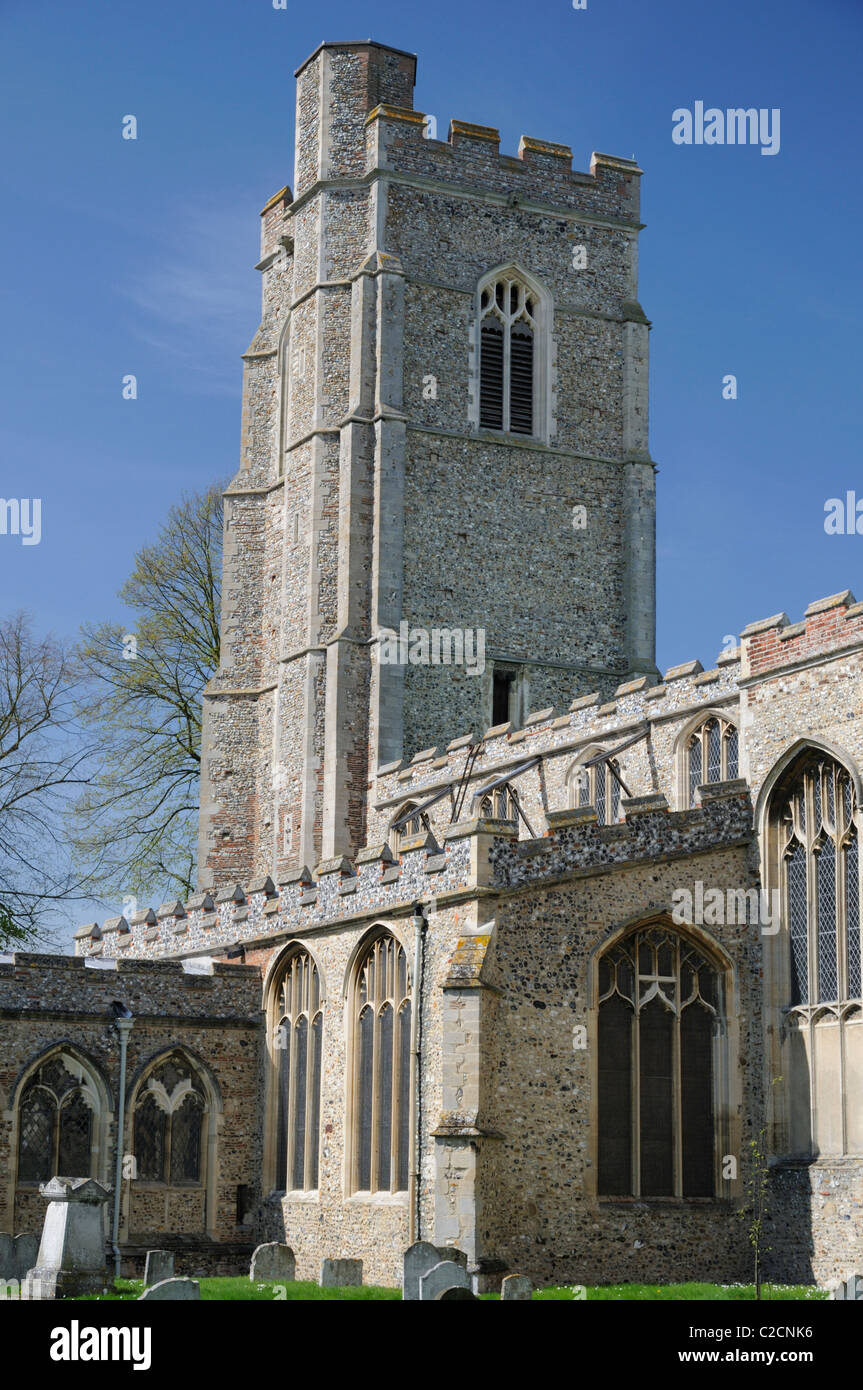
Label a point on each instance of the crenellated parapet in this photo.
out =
(830, 625)
(474, 854)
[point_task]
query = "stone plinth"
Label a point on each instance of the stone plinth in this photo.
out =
(71, 1259)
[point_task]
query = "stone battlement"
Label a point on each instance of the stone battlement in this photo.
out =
(87, 983)
(475, 854)
(829, 625)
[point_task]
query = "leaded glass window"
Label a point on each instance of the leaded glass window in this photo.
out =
(499, 804)
(819, 855)
(298, 1051)
(382, 1069)
(508, 324)
(169, 1120)
(413, 826)
(598, 787)
(711, 754)
(56, 1122)
(659, 1002)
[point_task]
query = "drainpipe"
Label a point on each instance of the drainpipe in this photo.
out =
(123, 1023)
(415, 1195)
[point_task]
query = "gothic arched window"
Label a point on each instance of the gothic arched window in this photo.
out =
(821, 872)
(382, 1068)
(298, 1050)
(56, 1115)
(499, 804)
(711, 754)
(169, 1122)
(659, 1004)
(508, 325)
(598, 787)
(413, 826)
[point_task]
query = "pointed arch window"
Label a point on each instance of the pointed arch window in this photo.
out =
(815, 812)
(659, 1012)
(712, 754)
(56, 1122)
(509, 319)
(382, 1069)
(414, 826)
(298, 1052)
(501, 803)
(169, 1123)
(597, 786)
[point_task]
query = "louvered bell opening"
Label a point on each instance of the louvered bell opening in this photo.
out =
(491, 377)
(521, 380)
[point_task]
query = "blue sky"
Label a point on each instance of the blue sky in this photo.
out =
(137, 257)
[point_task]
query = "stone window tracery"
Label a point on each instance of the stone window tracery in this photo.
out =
(712, 754)
(56, 1115)
(659, 1013)
(169, 1122)
(510, 355)
(597, 786)
(298, 1056)
(382, 1068)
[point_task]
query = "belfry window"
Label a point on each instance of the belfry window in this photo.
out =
(508, 326)
(711, 754)
(659, 1008)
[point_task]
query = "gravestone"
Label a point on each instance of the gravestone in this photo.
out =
(7, 1257)
(418, 1259)
(274, 1262)
(25, 1252)
(174, 1291)
(516, 1287)
(457, 1295)
(341, 1274)
(852, 1289)
(71, 1258)
(441, 1278)
(159, 1266)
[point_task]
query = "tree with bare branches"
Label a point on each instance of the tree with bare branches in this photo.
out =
(134, 829)
(42, 760)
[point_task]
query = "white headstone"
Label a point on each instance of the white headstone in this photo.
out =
(173, 1290)
(441, 1278)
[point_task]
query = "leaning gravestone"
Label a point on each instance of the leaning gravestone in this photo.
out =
(274, 1262)
(159, 1266)
(174, 1291)
(340, 1274)
(71, 1258)
(852, 1289)
(516, 1287)
(441, 1278)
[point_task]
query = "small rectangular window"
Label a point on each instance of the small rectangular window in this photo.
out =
(501, 693)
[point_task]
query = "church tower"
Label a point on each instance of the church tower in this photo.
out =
(444, 513)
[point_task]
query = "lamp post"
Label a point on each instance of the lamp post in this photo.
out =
(123, 1022)
(420, 925)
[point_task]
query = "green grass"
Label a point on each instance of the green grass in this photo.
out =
(243, 1290)
(713, 1293)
